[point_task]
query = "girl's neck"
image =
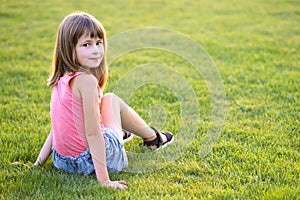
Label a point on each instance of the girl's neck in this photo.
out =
(84, 69)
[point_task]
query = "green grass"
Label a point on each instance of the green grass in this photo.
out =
(255, 46)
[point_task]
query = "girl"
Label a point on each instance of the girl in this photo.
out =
(87, 128)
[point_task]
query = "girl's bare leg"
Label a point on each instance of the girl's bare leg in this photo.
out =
(117, 115)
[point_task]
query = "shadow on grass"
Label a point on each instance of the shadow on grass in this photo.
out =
(49, 183)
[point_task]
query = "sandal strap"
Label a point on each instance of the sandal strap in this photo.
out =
(156, 142)
(127, 135)
(160, 141)
(168, 135)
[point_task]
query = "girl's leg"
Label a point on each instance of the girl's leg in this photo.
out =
(117, 115)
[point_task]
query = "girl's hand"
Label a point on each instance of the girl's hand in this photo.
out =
(37, 162)
(115, 184)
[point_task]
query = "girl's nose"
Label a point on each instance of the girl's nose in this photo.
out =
(96, 49)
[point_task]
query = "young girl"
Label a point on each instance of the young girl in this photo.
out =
(87, 132)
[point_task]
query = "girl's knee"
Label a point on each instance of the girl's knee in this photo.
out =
(112, 99)
(109, 97)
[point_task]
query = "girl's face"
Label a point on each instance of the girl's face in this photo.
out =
(89, 51)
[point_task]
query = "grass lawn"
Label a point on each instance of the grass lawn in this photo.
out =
(255, 46)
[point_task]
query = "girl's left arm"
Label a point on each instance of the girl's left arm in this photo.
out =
(45, 151)
(87, 87)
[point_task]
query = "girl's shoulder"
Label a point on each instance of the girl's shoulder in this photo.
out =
(85, 78)
(83, 83)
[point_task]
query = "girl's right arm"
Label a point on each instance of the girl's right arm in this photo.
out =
(45, 151)
(86, 86)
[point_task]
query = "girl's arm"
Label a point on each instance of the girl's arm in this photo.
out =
(45, 151)
(86, 86)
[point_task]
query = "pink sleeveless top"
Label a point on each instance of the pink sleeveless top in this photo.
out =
(66, 113)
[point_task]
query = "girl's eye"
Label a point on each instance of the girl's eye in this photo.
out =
(99, 43)
(86, 45)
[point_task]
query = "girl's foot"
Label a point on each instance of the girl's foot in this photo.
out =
(161, 140)
(127, 136)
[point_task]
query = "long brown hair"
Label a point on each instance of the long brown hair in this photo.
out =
(64, 57)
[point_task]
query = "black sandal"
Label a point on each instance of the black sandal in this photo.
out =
(128, 136)
(157, 143)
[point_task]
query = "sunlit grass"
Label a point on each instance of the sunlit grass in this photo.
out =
(255, 46)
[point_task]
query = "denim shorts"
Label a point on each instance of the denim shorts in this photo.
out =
(116, 158)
